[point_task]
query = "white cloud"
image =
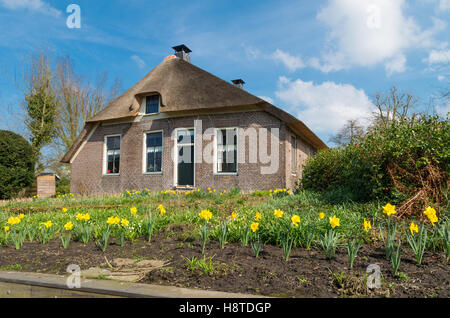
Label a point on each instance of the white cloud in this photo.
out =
(291, 62)
(267, 99)
(325, 107)
(396, 65)
(368, 32)
(140, 62)
(32, 5)
(438, 57)
(444, 5)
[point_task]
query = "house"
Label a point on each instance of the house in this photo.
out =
(182, 127)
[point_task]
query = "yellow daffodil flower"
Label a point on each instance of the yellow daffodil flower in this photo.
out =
(234, 216)
(254, 226)
(334, 221)
(68, 226)
(321, 215)
(389, 209)
(133, 210)
(205, 215)
(124, 222)
(21, 216)
(431, 214)
(367, 225)
(278, 213)
(413, 228)
(6, 228)
(161, 209)
(64, 210)
(13, 220)
(258, 216)
(295, 220)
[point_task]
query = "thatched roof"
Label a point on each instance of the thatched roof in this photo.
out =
(186, 87)
(182, 86)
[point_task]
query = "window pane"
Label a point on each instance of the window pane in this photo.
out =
(152, 104)
(227, 150)
(113, 143)
(154, 152)
(185, 136)
(116, 163)
(113, 154)
(154, 139)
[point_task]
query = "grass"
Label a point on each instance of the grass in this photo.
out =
(182, 210)
(16, 267)
(201, 265)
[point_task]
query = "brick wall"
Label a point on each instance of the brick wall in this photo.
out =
(87, 168)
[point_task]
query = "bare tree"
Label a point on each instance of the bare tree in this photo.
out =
(78, 101)
(392, 106)
(349, 133)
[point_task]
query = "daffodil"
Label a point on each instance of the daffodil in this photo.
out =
(68, 226)
(234, 216)
(321, 215)
(113, 220)
(389, 209)
(258, 216)
(6, 228)
(254, 227)
(334, 221)
(161, 209)
(278, 213)
(47, 224)
(431, 214)
(64, 210)
(367, 225)
(13, 220)
(124, 222)
(413, 228)
(205, 215)
(133, 210)
(21, 216)
(295, 220)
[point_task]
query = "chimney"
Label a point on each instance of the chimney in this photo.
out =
(182, 52)
(238, 83)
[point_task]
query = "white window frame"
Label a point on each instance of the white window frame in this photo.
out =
(294, 155)
(144, 105)
(216, 152)
(175, 154)
(144, 152)
(105, 155)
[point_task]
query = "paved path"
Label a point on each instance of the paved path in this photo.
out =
(21, 284)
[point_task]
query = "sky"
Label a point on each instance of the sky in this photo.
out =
(322, 61)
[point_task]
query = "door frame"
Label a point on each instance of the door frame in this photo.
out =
(175, 154)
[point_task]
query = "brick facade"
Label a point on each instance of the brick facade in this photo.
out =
(87, 166)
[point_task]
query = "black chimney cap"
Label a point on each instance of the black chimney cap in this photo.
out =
(238, 81)
(181, 47)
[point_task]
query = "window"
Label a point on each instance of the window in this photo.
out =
(294, 155)
(153, 152)
(226, 155)
(152, 104)
(112, 154)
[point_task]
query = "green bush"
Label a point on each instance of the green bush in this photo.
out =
(16, 164)
(403, 151)
(63, 186)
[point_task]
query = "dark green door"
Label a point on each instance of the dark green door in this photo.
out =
(185, 160)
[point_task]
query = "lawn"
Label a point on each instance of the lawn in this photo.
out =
(270, 243)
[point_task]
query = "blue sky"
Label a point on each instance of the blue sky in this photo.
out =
(322, 61)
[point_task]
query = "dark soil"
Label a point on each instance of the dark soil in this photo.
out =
(306, 274)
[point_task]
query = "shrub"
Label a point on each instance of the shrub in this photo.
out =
(16, 164)
(395, 161)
